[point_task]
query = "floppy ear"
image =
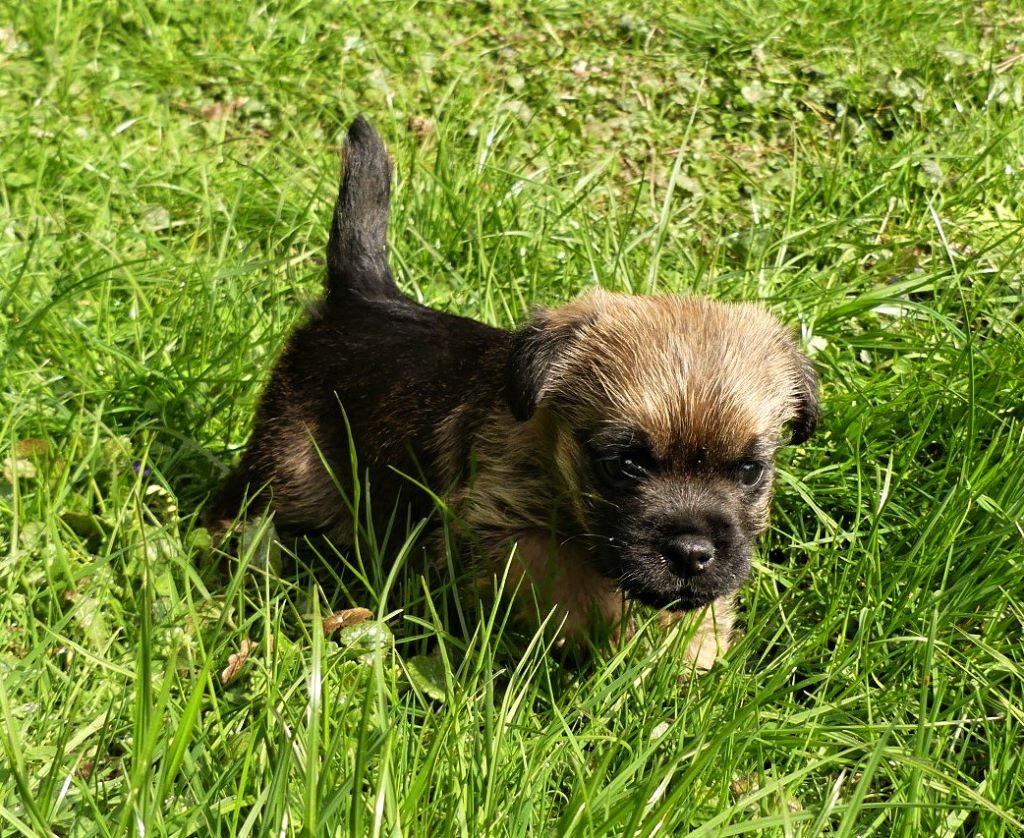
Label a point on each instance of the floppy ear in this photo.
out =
(534, 350)
(808, 400)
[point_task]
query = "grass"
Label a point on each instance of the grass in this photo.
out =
(166, 177)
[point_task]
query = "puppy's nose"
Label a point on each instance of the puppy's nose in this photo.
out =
(690, 554)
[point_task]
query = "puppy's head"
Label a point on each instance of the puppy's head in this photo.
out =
(665, 414)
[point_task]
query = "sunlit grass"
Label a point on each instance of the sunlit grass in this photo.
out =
(166, 176)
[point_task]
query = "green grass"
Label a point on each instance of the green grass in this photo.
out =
(857, 166)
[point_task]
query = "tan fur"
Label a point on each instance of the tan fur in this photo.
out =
(686, 369)
(561, 580)
(693, 373)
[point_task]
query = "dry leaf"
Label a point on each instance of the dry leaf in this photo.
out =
(744, 785)
(421, 125)
(223, 109)
(32, 447)
(237, 661)
(343, 619)
(25, 458)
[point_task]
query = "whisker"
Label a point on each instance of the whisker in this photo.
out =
(593, 536)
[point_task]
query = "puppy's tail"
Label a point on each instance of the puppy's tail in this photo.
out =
(357, 250)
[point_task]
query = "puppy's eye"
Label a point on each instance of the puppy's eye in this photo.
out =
(750, 473)
(622, 468)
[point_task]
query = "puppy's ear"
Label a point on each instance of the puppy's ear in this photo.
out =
(807, 397)
(533, 353)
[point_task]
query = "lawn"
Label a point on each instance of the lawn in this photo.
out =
(167, 172)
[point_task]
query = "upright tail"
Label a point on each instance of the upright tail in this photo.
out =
(357, 250)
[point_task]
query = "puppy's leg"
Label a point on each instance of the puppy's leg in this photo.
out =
(237, 494)
(284, 468)
(585, 603)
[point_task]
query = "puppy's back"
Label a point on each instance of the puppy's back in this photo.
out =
(371, 372)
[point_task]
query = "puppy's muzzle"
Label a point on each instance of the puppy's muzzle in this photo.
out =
(698, 541)
(689, 554)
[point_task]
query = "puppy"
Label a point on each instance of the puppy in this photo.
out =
(620, 449)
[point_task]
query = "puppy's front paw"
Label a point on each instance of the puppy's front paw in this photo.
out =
(711, 637)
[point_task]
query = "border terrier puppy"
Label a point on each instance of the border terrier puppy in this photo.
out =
(622, 445)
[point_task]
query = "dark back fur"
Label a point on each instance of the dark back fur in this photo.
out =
(369, 363)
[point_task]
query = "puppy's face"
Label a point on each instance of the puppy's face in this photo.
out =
(665, 415)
